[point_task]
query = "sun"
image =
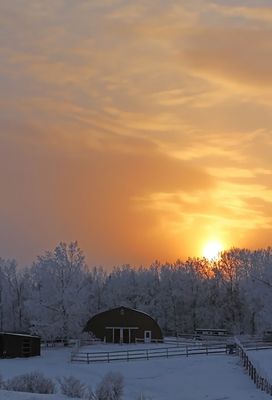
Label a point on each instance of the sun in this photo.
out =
(212, 249)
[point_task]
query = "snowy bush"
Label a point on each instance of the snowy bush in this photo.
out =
(33, 382)
(111, 387)
(72, 387)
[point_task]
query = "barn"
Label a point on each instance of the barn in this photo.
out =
(124, 325)
(19, 345)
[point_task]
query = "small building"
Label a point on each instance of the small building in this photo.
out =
(19, 345)
(124, 325)
(267, 336)
(212, 333)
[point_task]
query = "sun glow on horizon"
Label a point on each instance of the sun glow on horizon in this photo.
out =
(212, 249)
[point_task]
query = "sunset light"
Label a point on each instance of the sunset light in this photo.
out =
(212, 250)
(129, 125)
(136, 198)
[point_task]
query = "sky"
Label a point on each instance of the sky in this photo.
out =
(141, 129)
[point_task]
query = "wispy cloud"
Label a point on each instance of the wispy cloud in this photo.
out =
(263, 14)
(118, 114)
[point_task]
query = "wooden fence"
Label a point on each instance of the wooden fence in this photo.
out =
(175, 341)
(255, 345)
(146, 354)
(260, 381)
(58, 343)
(69, 342)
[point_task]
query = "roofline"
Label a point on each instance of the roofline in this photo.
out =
(19, 334)
(128, 308)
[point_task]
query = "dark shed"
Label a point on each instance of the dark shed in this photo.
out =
(19, 345)
(124, 325)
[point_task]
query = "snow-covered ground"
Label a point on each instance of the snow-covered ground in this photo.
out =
(213, 377)
(262, 360)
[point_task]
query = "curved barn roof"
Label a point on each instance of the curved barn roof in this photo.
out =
(109, 324)
(125, 308)
(112, 311)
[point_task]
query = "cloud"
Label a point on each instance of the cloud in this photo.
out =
(263, 14)
(133, 128)
(89, 196)
(227, 208)
(236, 173)
(223, 55)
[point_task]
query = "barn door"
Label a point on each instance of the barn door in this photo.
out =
(147, 336)
(117, 335)
(126, 336)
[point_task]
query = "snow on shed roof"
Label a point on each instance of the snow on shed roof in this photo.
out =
(19, 334)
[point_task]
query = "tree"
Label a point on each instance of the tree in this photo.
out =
(59, 292)
(13, 295)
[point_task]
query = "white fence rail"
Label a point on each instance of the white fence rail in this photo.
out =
(255, 345)
(69, 342)
(58, 343)
(146, 354)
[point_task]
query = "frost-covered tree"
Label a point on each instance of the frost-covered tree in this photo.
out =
(58, 294)
(13, 295)
(96, 279)
(59, 297)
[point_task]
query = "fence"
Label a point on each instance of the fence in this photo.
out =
(138, 340)
(146, 354)
(174, 341)
(182, 341)
(69, 342)
(255, 345)
(58, 343)
(260, 381)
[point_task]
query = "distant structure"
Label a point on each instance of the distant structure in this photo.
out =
(19, 345)
(267, 336)
(211, 333)
(124, 325)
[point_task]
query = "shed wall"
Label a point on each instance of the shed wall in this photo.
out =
(12, 345)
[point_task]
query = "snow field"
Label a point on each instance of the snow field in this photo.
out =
(262, 360)
(212, 377)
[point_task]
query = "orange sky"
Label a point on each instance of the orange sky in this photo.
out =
(141, 129)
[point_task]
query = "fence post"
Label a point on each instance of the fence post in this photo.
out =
(249, 368)
(147, 354)
(127, 355)
(108, 357)
(88, 361)
(207, 352)
(167, 353)
(187, 351)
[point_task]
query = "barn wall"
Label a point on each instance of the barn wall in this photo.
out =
(129, 318)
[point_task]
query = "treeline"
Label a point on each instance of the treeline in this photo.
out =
(58, 294)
